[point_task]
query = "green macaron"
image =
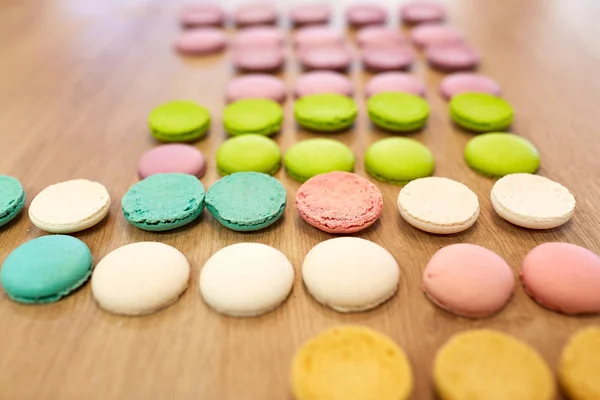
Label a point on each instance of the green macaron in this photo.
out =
(398, 111)
(12, 198)
(253, 116)
(246, 201)
(497, 154)
(398, 160)
(248, 153)
(317, 156)
(45, 269)
(179, 121)
(481, 112)
(325, 112)
(163, 202)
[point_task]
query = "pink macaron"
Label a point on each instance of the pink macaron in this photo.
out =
(333, 58)
(387, 57)
(169, 158)
(422, 11)
(200, 41)
(378, 36)
(323, 82)
(433, 34)
(339, 202)
(258, 58)
(256, 86)
(452, 57)
(310, 14)
(466, 82)
(318, 36)
(468, 280)
(563, 277)
(363, 14)
(250, 14)
(197, 15)
(395, 82)
(259, 36)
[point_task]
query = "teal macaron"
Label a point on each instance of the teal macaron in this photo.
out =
(12, 198)
(246, 201)
(163, 202)
(46, 269)
(481, 112)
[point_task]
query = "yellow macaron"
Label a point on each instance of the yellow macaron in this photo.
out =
(490, 365)
(351, 363)
(580, 365)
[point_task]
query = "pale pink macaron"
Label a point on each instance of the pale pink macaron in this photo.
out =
(333, 58)
(196, 15)
(200, 41)
(563, 277)
(310, 36)
(363, 14)
(256, 86)
(259, 36)
(258, 58)
(256, 14)
(433, 34)
(395, 82)
(310, 14)
(339, 202)
(379, 35)
(468, 280)
(467, 82)
(169, 158)
(422, 11)
(452, 57)
(383, 58)
(323, 82)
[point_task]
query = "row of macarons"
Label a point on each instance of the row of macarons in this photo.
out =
(356, 362)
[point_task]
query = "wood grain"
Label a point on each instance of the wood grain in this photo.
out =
(77, 80)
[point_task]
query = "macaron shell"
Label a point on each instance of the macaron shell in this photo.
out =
(563, 277)
(12, 198)
(200, 41)
(258, 13)
(419, 12)
(310, 13)
(426, 35)
(248, 153)
(498, 154)
(325, 112)
(466, 82)
(481, 112)
(253, 116)
(579, 365)
(323, 82)
(179, 121)
(398, 160)
(398, 112)
(196, 15)
(452, 57)
(394, 82)
(169, 158)
(318, 36)
(312, 157)
(379, 35)
(254, 86)
(359, 15)
(334, 58)
(380, 58)
(255, 59)
(259, 36)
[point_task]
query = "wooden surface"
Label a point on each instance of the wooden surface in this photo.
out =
(77, 80)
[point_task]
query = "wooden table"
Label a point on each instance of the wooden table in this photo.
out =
(77, 80)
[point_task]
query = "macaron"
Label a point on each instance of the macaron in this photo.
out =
(398, 160)
(350, 274)
(334, 365)
(426, 35)
(468, 280)
(163, 202)
(312, 36)
(46, 269)
(334, 58)
(140, 278)
(248, 153)
(200, 41)
(255, 13)
(179, 121)
(12, 198)
(579, 365)
(363, 14)
(381, 58)
(259, 36)
(394, 82)
(481, 112)
(452, 57)
(312, 157)
(246, 280)
(339, 202)
(253, 116)
(468, 82)
(497, 154)
(246, 201)
(398, 111)
(532, 201)
(69, 206)
(174, 157)
(255, 86)
(379, 36)
(504, 367)
(422, 11)
(438, 205)
(255, 59)
(310, 14)
(563, 277)
(197, 15)
(323, 82)
(325, 112)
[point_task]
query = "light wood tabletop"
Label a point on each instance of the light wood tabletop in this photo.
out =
(77, 81)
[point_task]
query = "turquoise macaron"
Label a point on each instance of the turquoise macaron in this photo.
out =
(246, 201)
(12, 198)
(46, 269)
(162, 202)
